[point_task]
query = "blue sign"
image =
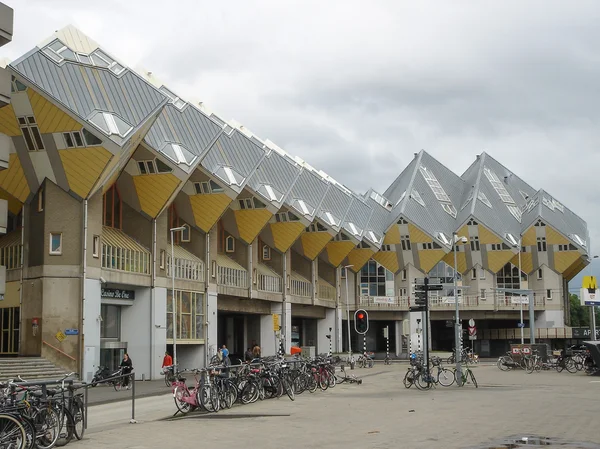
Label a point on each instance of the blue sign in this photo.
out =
(71, 331)
(520, 324)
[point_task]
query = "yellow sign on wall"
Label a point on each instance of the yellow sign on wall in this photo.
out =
(275, 322)
(60, 336)
(589, 282)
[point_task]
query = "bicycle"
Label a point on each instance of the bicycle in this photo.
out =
(365, 360)
(465, 376)
(170, 374)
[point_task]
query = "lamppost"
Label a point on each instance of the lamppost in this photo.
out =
(348, 313)
(457, 346)
(173, 299)
(593, 308)
(520, 288)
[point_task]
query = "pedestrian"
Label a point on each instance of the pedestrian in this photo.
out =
(127, 366)
(248, 355)
(256, 352)
(167, 360)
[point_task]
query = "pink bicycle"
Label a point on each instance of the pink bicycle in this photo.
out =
(186, 399)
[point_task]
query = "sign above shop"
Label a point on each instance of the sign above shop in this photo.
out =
(116, 293)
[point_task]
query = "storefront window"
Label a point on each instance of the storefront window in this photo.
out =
(376, 280)
(111, 322)
(190, 311)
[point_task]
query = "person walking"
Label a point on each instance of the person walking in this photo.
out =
(127, 366)
(167, 360)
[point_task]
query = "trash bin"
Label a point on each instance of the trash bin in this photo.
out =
(308, 351)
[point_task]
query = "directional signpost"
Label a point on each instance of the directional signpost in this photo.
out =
(421, 289)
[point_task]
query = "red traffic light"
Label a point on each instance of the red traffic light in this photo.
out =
(360, 316)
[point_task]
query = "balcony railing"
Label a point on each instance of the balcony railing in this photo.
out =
(300, 288)
(326, 291)
(11, 250)
(232, 277)
(271, 284)
(121, 252)
(189, 270)
(384, 302)
(448, 302)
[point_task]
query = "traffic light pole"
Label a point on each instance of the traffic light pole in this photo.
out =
(426, 326)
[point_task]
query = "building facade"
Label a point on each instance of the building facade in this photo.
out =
(136, 214)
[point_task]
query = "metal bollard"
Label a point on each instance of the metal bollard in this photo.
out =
(85, 406)
(132, 420)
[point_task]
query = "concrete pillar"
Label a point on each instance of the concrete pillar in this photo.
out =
(315, 278)
(159, 328)
(135, 330)
(326, 326)
(91, 329)
(399, 348)
(267, 336)
(211, 327)
(288, 326)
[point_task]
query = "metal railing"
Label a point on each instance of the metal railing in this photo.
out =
(186, 269)
(326, 291)
(232, 277)
(448, 302)
(59, 351)
(272, 284)
(10, 256)
(125, 259)
(384, 302)
(300, 288)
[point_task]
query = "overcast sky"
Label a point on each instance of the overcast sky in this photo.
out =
(355, 88)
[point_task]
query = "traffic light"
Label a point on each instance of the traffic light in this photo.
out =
(361, 321)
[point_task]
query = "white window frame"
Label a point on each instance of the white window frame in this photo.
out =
(481, 274)
(483, 294)
(229, 249)
(96, 246)
(189, 233)
(71, 135)
(29, 127)
(266, 252)
(548, 293)
(540, 274)
(57, 252)
(41, 200)
(474, 274)
(162, 260)
(403, 275)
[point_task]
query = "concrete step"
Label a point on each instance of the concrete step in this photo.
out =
(30, 368)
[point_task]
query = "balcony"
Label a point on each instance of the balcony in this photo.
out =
(11, 250)
(6, 24)
(326, 291)
(187, 266)
(5, 79)
(231, 274)
(464, 302)
(300, 286)
(122, 253)
(5, 144)
(268, 281)
(391, 303)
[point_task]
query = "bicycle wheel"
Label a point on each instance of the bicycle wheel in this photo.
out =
(423, 381)
(370, 363)
(408, 379)
(529, 366)
(78, 415)
(311, 383)
(288, 387)
(167, 380)
(560, 365)
(47, 424)
(570, 365)
(323, 383)
(250, 392)
(30, 432)
(445, 377)
(67, 426)
(178, 396)
(502, 363)
(460, 379)
(473, 378)
(12, 433)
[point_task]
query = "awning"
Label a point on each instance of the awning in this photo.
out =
(299, 277)
(119, 239)
(10, 239)
(227, 262)
(266, 270)
(181, 253)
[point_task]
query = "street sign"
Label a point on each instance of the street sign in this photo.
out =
(520, 324)
(71, 331)
(275, 322)
(472, 322)
(60, 336)
(472, 331)
(472, 337)
(434, 287)
(386, 332)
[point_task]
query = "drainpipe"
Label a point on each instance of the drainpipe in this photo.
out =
(153, 301)
(24, 209)
(83, 289)
(284, 328)
(206, 281)
(250, 270)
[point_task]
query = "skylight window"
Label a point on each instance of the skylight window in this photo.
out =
(468, 200)
(230, 176)
(175, 100)
(442, 237)
(303, 207)
(331, 219)
(415, 196)
(552, 204)
(529, 207)
(373, 237)
(511, 239)
(498, 186)
(436, 187)
(58, 52)
(449, 208)
(381, 200)
(577, 240)
(270, 192)
(401, 198)
(354, 229)
(111, 123)
(515, 211)
(484, 199)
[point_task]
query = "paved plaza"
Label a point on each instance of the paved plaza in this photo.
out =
(380, 413)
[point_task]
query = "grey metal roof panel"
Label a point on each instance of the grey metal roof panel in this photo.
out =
(400, 184)
(236, 151)
(276, 171)
(496, 218)
(310, 188)
(83, 89)
(378, 222)
(188, 127)
(358, 214)
(336, 202)
(562, 218)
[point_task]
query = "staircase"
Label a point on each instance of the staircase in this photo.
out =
(29, 368)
